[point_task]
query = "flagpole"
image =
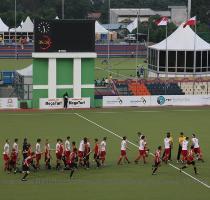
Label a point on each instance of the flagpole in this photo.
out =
(137, 42)
(194, 66)
(148, 33)
(166, 50)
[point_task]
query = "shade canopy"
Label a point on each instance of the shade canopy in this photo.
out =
(3, 26)
(183, 39)
(100, 29)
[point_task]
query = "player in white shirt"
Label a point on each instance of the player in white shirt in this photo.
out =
(58, 153)
(167, 146)
(123, 149)
(185, 149)
(102, 150)
(6, 155)
(15, 146)
(38, 153)
(196, 147)
(67, 150)
(81, 151)
(47, 155)
(142, 150)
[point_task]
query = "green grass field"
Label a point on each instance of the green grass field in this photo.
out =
(118, 67)
(111, 182)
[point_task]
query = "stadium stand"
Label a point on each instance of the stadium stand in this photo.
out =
(164, 89)
(137, 88)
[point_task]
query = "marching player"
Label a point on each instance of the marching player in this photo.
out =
(58, 154)
(167, 145)
(72, 162)
(123, 149)
(197, 149)
(47, 155)
(81, 151)
(190, 160)
(103, 150)
(96, 153)
(157, 160)
(142, 150)
(67, 147)
(15, 146)
(86, 154)
(13, 160)
(38, 153)
(185, 149)
(6, 155)
(26, 164)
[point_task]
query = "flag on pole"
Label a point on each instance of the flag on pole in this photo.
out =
(190, 22)
(133, 25)
(163, 21)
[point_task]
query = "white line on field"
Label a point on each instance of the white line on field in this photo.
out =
(94, 123)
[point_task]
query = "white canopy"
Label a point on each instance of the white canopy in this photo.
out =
(183, 40)
(27, 71)
(100, 29)
(27, 25)
(3, 26)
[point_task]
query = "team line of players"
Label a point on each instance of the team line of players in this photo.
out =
(72, 157)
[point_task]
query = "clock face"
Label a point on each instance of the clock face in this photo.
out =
(43, 27)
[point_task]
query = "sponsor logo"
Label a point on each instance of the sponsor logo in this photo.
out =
(53, 102)
(161, 100)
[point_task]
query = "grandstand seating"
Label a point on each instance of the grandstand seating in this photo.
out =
(103, 91)
(138, 89)
(164, 89)
(195, 88)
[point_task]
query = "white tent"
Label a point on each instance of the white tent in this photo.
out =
(100, 29)
(27, 71)
(183, 52)
(3, 26)
(182, 39)
(27, 25)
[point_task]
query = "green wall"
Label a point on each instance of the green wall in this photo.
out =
(39, 94)
(40, 71)
(88, 71)
(64, 71)
(64, 77)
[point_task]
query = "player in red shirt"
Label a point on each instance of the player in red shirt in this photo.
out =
(13, 160)
(72, 162)
(96, 153)
(47, 155)
(26, 164)
(86, 154)
(157, 160)
(190, 160)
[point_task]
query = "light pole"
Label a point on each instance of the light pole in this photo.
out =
(108, 40)
(189, 9)
(15, 29)
(63, 3)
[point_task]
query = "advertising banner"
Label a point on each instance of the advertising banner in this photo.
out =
(8, 103)
(57, 103)
(123, 101)
(161, 100)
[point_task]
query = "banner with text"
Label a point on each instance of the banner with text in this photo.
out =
(8, 103)
(123, 101)
(161, 100)
(57, 103)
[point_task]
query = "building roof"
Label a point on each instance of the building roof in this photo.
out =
(135, 11)
(182, 39)
(100, 29)
(114, 26)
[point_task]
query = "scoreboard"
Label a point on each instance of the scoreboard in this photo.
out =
(64, 35)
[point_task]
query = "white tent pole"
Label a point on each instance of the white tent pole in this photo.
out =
(15, 29)
(166, 50)
(194, 62)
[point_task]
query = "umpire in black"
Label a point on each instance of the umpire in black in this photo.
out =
(65, 100)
